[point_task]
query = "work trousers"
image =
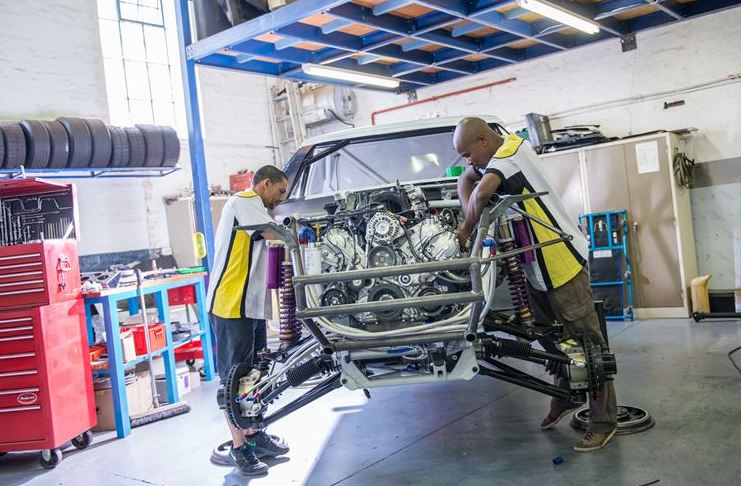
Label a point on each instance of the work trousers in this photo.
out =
(572, 305)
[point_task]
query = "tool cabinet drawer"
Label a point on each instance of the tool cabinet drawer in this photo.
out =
(20, 397)
(12, 380)
(37, 274)
(17, 345)
(16, 324)
(18, 362)
(21, 424)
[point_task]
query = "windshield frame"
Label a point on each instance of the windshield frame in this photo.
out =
(297, 190)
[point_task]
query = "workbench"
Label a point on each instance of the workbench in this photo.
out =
(110, 298)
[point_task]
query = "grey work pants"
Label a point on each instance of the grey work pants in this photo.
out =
(572, 305)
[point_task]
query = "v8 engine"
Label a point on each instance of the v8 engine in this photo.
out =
(382, 228)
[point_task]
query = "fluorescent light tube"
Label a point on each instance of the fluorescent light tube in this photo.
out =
(560, 15)
(347, 75)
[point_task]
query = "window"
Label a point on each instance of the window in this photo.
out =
(368, 164)
(142, 62)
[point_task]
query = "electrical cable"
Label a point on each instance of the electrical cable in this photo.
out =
(684, 170)
(730, 353)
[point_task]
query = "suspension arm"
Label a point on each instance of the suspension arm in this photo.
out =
(331, 383)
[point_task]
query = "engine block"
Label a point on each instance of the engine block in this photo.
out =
(384, 228)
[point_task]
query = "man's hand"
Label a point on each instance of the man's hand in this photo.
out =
(463, 235)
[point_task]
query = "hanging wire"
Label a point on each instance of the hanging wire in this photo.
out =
(684, 170)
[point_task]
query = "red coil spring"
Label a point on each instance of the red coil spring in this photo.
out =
(517, 285)
(290, 327)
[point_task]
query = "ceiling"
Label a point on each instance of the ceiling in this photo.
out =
(424, 42)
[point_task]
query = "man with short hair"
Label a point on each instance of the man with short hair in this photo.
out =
(558, 280)
(239, 301)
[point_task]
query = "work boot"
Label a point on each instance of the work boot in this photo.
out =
(555, 415)
(266, 445)
(593, 441)
(244, 459)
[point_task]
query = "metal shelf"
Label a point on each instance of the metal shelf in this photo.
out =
(421, 42)
(88, 173)
(142, 359)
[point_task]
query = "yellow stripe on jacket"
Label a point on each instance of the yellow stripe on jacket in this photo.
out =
(560, 263)
(229, 294)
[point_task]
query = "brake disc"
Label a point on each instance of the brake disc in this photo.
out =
(231, 390)
(631, 420)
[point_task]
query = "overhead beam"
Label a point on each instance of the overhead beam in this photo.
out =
(334, 26)
(261, 25)
(670, 12)
(389, 6)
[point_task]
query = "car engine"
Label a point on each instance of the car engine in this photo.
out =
(382, 228)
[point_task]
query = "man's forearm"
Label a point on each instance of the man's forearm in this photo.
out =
(475, 208)
(465, 188)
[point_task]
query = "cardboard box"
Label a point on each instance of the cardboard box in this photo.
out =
(127, 346)
(183, 380)
(195, 380)
(138, 397)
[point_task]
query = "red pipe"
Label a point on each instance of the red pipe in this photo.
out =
(439, 97)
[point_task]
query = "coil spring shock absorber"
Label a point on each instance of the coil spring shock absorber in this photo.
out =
(515, 274)
(290, 327)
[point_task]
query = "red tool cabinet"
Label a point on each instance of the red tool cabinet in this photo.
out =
(46, 392)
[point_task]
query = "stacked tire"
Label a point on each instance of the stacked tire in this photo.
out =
(69, 142)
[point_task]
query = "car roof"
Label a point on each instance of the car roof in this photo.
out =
(371, 130)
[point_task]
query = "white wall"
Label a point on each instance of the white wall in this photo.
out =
(600, 84)
(51, 65)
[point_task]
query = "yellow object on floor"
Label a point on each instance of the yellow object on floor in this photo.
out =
(699, 289)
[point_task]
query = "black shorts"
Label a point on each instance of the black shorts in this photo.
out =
(236, 342)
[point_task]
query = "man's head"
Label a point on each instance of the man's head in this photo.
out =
(476, 141)
(271, 184)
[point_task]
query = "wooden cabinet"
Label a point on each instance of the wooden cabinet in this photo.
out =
(636, 174)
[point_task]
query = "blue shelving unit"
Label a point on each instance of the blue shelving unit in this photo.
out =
(87, 173)
(109, 299)
(609, 261)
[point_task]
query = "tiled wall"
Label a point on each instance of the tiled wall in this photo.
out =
(716, 214)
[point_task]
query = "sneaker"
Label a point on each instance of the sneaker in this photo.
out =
(555, 416)
(593, 441)
(244, 459)
(266, 445)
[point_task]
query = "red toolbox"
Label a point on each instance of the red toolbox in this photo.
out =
(157, 337)
(46, 391)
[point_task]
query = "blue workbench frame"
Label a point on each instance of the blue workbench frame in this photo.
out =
(116, 366)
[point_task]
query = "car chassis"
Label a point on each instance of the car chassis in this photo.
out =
(438, 351)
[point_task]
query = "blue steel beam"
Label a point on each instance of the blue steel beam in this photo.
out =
(414, 44)
(286, 42)
(334, 26)
(399, 26)
(389, 6)
(295, 73)
(614, 27)
(488, 17)
(668, 11)
(202, 203)
(258, 48)
(309, 33)
(368, 59)
(610, 8)
(263, 24)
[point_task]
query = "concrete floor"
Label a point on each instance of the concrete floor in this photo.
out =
(465, 433)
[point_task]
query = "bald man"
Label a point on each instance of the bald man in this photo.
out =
(558, 280)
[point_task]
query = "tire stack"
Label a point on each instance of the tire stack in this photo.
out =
(80, 143)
